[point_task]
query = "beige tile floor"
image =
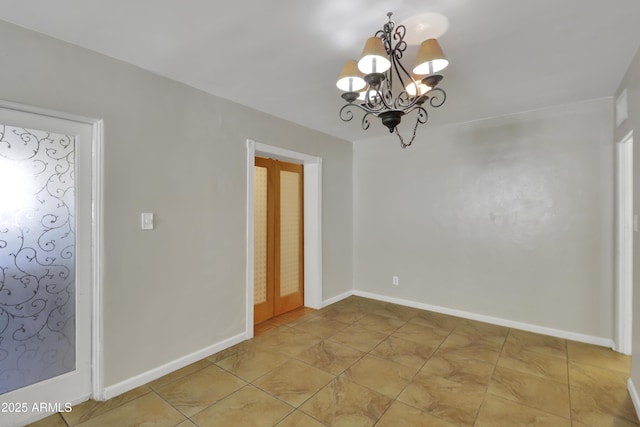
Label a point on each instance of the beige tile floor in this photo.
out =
(361, 362)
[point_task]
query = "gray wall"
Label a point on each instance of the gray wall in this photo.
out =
(631, 82)
(180, 153)
(509, 217)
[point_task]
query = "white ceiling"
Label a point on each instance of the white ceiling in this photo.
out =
(283, 57)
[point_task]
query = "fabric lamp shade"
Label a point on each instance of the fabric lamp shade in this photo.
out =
(374, 57)
(350, 78)
(430, 58)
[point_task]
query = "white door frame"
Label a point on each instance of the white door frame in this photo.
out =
(312, 223)
(624, 244)
(97, 368)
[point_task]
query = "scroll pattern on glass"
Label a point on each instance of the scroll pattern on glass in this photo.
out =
(37, 256)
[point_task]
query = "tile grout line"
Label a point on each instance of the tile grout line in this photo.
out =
(369, 354)
(295, 358)
(365, 310)
(424, 364)
(103, 403)
(169, 403)
(493, 371)
(297, 408)
(566, 350)
(570, 418)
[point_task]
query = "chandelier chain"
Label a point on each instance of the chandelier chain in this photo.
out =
(422, 118)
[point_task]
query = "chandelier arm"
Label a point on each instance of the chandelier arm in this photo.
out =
(380, 103)
(388, 99)
(346, 115)
(397, 64)
(437, 101)
(403, 100)
(396, 52)
(423, 116)
(398, 35)
(364, 106)
(396, 103)
(365, 121)
(407, 102)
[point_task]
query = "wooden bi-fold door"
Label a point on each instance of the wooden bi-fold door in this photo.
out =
(278, 238)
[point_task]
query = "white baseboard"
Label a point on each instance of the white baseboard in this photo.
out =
(574, 336)
(337, 298)
(635, 398)
(153, 374)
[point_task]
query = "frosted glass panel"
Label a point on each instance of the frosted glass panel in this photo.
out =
(37, 256)
(289, 232)
(260, 235)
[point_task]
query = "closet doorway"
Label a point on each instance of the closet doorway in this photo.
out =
(278, 238)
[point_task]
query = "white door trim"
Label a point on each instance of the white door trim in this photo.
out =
(97, 368)
(624, 244)
(312, 223)
(97, 330)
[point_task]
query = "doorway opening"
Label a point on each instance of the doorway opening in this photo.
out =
(278, 238)
(50, 212)
(312, 236)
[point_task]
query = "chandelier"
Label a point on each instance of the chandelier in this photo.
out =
(368, 84)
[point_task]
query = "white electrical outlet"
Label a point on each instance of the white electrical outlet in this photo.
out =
(396, 280)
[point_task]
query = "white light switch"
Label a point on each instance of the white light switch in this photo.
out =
(147, 221)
